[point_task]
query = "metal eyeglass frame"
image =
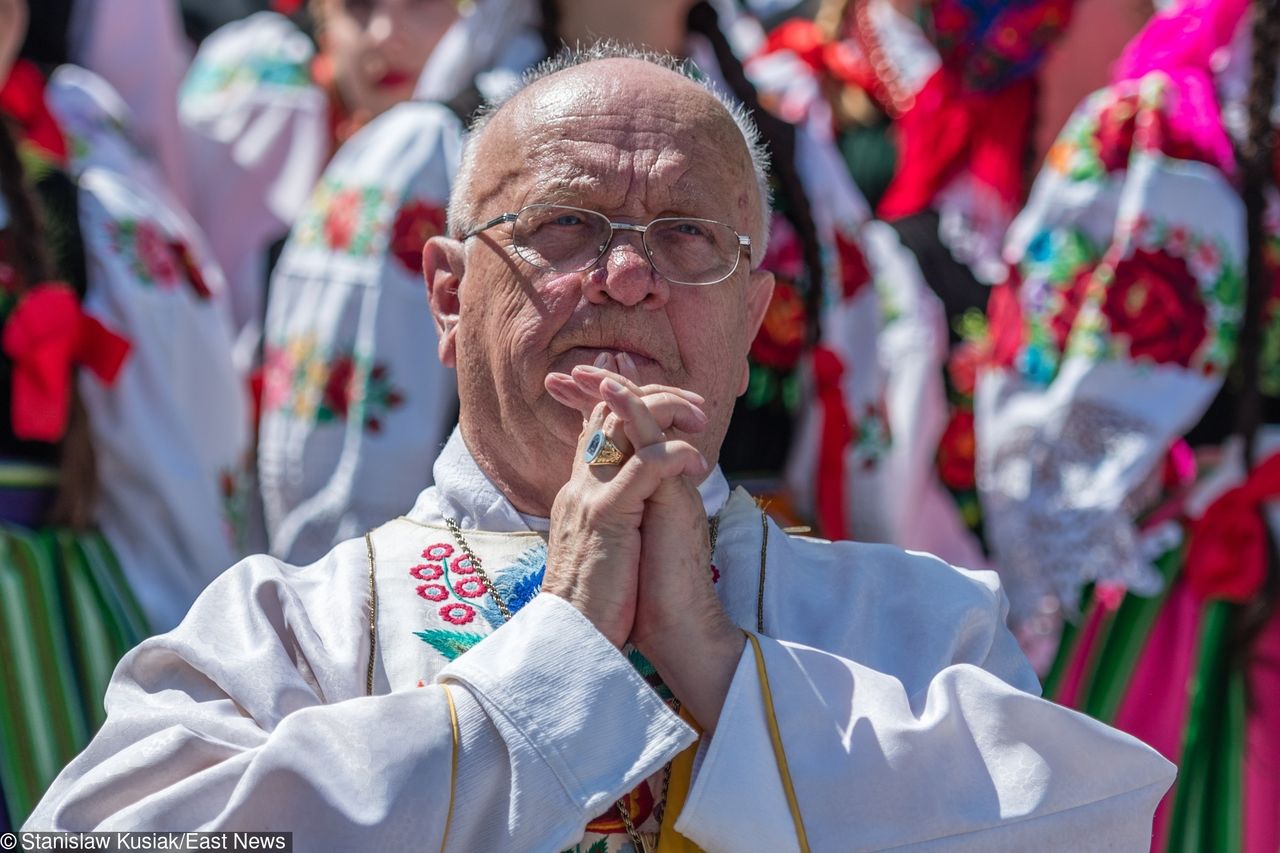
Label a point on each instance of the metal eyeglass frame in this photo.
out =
(743, 241)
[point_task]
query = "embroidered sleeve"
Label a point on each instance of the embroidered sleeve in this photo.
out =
(1129, 260)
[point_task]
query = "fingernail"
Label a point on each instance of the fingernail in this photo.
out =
(626, 362)
(602, 359)
(613, 387)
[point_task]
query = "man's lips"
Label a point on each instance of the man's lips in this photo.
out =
(588, 355)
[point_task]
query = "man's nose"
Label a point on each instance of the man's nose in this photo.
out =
(625, 275)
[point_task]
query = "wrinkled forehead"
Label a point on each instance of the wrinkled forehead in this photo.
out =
(622, 137)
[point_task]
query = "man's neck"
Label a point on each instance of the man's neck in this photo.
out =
(659, 26)
(527, 496)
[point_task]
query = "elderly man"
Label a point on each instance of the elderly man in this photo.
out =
(578, 636)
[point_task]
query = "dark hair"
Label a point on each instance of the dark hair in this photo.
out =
(25, 227)
(780, 137)
(77, 481)
(1256, 159)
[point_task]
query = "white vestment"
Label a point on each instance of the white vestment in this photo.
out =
(907, 714)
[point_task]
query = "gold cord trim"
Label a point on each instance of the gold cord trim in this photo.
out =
(779, 754)
(373, 616)
(764, 558)
(453, 766)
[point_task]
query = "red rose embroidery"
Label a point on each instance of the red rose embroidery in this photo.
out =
(416, 223)
(339, 387)
(781, 337)
(154, 254)
(1154, 303)
(1116, 125)
(956, 454)
(340, 222)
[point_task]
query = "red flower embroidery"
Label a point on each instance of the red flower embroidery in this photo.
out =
(426, 572)
(458, 613)
(339, 387)
(340, 222)
(1116, 126)
(854, 272)
(190, 268)
(416, 223)
(956, 452)
(438, 551)
(433, 591)
(154, 254)
(462, 565)
(469, 587)
(781, 337)
(1070, 298)
(1154, 303)
(277, 377)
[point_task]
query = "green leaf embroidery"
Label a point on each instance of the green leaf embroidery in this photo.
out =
(451, 644)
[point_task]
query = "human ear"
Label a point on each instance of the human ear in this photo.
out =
(443, 264)
(759, 292)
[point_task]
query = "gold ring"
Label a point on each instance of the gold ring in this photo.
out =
(601, 451)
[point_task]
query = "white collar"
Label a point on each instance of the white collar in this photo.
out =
(463, 492)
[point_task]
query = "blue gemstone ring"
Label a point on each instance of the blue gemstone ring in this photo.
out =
(601, 451)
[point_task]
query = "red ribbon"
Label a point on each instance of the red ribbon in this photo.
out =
(46, 335)
(948, 131)
(1227, 554)
(836, 433)
(22, 99)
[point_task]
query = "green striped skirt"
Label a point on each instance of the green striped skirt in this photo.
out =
(66, 618)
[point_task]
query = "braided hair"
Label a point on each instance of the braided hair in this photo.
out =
(1256, 159)
(25, 226)
(28, 240)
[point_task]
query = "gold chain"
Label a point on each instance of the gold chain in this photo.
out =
(639, 840)
(475, 564)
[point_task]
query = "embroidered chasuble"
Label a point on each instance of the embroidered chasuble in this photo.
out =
(425, 581)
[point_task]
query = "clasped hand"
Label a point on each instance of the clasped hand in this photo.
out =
(629, 544)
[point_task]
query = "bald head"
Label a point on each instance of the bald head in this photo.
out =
(633, 107)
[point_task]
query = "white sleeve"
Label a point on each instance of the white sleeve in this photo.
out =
(968, 763)
(251, 716)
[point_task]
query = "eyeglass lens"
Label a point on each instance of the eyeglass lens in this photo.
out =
(570, 239)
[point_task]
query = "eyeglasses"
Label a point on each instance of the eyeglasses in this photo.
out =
(681, 249)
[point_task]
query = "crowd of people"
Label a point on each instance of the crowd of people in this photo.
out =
(1057, 367)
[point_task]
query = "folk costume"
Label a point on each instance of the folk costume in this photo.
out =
(261, 119)
(1115, 489)
(382, 698)
(928, 118)
(355, 402)
(171, 436)
(132, 323)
